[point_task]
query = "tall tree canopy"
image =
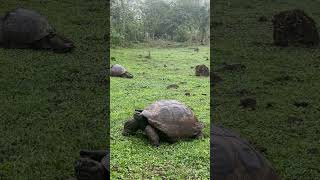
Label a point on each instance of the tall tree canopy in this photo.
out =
(172, 20)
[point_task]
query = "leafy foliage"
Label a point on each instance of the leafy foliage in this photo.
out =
(178, 20)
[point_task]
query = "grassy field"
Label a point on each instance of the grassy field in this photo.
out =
(285, 126)
(53, 105)
(133, 157)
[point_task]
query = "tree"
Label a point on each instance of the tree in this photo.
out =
(174, 20)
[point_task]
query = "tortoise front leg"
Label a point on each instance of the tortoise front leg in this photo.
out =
(152, 135)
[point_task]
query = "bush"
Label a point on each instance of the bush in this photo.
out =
(182, 34)
(116, 38)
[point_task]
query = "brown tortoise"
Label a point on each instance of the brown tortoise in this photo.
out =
(294, 27)
(117, 70)
(233, 158)
(24, 28)
(168, 120)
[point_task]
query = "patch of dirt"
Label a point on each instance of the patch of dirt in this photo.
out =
(263, 19)
(301, 104)
(293, 120)
(269, 105)
(232, 67)
(173, 86)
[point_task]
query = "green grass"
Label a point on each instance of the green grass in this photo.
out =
(53, 105)
(293, 149)
(133, 157)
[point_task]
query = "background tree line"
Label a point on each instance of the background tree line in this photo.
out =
(134, 21)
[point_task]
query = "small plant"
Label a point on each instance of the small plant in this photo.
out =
(148, 56)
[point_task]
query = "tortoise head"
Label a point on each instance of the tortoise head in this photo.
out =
(140, 118)
(60, 44)
(127, 75)
(137, 115)
(130, 127)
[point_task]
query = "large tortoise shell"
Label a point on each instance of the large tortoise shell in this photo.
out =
(23, 26)
(117, 70)
(174, 119)
(233, 158)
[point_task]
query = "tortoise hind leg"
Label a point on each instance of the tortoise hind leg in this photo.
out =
(152, 135)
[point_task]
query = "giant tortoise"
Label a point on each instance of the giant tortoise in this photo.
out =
(24, 28)
(294, 27)
(233, 158)
(117, 70)
(92, 165)
(167, 120)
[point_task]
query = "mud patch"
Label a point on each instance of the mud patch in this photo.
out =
(173, 86)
